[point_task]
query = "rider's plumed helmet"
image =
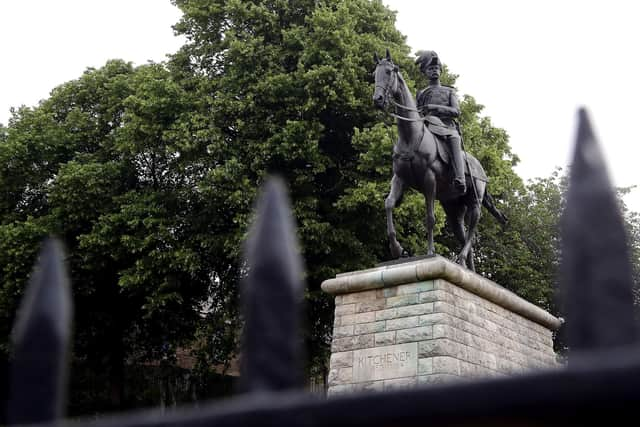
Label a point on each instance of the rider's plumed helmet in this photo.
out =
(428, 57)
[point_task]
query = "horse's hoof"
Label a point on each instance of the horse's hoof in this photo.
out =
(460, 261)
(405, 254)
(396, 251)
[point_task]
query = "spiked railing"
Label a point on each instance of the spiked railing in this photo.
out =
(273, 294)
(596, 274)
(599, 385)
(41, 338)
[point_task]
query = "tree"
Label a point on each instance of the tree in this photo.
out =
(286, 85)
(525, 255)
(100, 163)
(632, 223)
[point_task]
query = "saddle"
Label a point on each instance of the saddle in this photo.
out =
(471, 165)
(437, 127)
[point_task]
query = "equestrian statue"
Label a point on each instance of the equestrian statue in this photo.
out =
(429, 156)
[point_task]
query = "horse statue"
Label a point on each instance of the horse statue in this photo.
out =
(421, 162)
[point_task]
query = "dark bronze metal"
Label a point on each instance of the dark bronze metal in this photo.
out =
(442, 102)
(419, 161)
(272, 294)
(595, 270)
(41, 338)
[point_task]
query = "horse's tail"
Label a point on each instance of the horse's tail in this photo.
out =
(487, 202)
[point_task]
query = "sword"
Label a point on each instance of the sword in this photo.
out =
(466, 161)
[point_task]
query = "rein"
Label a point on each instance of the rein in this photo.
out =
(404, 107)
(389, 98)
(419, 119)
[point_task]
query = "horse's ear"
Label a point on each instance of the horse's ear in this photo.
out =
(388, 55)
(375, 57)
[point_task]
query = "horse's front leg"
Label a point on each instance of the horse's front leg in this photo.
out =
(397, 188)
(429, 192)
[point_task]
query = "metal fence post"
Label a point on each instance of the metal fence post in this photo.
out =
(272, 297)
(40, 340)
(596, 275)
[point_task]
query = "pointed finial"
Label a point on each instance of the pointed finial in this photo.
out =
(272, 296)
(596, 277)
(40, 341)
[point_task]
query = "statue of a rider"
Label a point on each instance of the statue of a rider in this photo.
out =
(439, 105)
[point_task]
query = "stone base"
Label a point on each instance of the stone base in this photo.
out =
(431, 321)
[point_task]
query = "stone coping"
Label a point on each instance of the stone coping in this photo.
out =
(438, 268)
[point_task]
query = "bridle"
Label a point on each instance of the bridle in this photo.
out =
(389, 99)
(386, 90)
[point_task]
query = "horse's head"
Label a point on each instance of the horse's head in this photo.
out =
(386, 80)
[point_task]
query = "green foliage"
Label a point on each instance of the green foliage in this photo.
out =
(525, 255)
(19, 243)
(632, 223)
(286, 87)
(104, 163)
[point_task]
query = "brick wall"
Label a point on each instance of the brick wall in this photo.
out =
(454, 333)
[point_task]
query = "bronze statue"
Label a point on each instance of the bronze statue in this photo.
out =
(422, 161)
(439, 105)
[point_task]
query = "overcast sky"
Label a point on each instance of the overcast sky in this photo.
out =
(530, 63)
(44, 43)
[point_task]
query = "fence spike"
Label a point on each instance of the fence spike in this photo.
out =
(272, 296)
(40, 342)
(596, 276)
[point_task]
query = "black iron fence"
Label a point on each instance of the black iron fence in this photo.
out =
(599, 386)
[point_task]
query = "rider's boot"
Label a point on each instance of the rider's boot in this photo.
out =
(459, 181)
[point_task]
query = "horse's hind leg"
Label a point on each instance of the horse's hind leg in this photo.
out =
(470, 263)
(466, 254)
(474, 212)
(397, 188)
(429, 192)
(455, 217)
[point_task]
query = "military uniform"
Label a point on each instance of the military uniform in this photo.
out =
(439, 95)
(442, 121)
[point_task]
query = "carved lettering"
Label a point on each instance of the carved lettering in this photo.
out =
(386, 362)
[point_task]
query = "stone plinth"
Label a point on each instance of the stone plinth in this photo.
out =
(430, 321)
